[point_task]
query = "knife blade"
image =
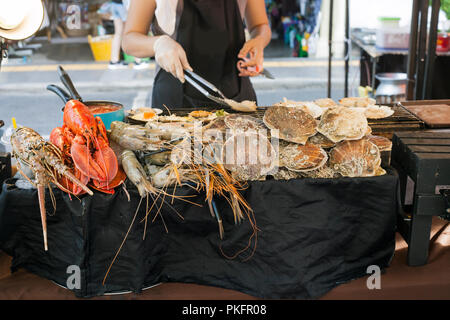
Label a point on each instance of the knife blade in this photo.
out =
(266, 73)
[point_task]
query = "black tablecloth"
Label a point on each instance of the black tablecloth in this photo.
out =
(314, 234)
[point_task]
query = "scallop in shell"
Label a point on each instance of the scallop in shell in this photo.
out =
(241, 122)
(302, 158)
(308, 106)
(343, 123)
(324, 172)
(285, 174)
(383, 143)
(357, 158)
(313, 109)
(357, 102)
(249, 156)
(380, 172)
(214, 131)
(290, 124)
(216, 124)
(321, 141)
(326, 103)
(378, 112)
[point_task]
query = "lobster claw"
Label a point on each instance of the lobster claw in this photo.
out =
(102, 166)
(109, 187)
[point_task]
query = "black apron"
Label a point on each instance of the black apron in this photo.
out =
(212, 34)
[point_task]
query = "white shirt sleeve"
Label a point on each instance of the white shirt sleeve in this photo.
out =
(166, 14)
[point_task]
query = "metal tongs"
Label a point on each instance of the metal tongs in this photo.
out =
(190, 76)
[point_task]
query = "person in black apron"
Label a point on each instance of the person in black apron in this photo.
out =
(208, 38)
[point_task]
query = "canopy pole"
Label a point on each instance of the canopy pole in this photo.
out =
(330, 44)
(431, 56)
(423, 35)
(411, 84)
(347, 46)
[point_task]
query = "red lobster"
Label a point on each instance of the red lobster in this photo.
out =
(84, 143)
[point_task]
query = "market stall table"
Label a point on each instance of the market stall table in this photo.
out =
(422, 159)
(400, 281)
(314, 235)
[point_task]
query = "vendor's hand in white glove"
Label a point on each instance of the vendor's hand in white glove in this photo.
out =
(171, 56)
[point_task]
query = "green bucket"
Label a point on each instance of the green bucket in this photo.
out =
(130, 59)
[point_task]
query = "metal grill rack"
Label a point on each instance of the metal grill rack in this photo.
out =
(401, 120)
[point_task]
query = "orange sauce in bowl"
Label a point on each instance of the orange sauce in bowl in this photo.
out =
(103, 108)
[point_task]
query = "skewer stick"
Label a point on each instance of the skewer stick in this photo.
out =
(41, 195)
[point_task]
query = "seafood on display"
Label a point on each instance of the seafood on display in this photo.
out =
(383, 143)
(285, 174)
(241, 122)
(47, 163)
(380, 172)
(378, 112)
(302, 158)
(321, 141)
(357, 102)
(207, 116)
(326, 103)
(83, 140)
(315, 110)
(357, 158)
(342, 123)
(290, 124)
(324, 172)
(216, 124)
(157, 159)
(135, 137)
(249, 156)
(309, 106)
(173, 130)
(136, 173)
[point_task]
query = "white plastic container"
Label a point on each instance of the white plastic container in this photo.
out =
(390, 36)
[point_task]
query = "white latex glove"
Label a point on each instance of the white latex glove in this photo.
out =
(171, 57)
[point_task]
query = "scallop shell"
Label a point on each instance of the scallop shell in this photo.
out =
(343, 123)
(321, 141)
(314, 109)
(383, 144)
(249, 156)
(308, 106)
(301, 158)
(378, 112)
(241, 122)
(216, 124)
(380, 172)
(324, 172)
(358, 158)
(285, 174)
(290, 124)
(326, 103)
(214, 132)
(357, 102)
